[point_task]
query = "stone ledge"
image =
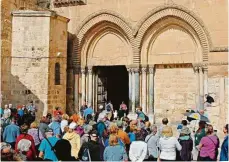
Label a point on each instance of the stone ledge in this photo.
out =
(30, 13)
(219, 49)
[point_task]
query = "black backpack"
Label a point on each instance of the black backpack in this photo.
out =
(146, 118)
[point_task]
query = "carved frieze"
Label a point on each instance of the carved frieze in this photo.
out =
(62, 3)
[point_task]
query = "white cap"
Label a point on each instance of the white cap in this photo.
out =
(72, 125)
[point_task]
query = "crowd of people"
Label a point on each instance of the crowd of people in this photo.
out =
(105, 135)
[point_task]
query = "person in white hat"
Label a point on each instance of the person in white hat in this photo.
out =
(74, 139)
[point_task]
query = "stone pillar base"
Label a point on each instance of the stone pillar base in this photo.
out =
(132, 116)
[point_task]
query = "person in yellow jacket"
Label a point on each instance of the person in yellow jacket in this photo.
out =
(74, 139)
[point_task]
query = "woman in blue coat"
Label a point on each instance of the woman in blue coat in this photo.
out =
(224, 147)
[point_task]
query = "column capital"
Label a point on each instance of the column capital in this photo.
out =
(136, 69)
(144, 69)
(129, 69)
(89, 69)
(83, 70)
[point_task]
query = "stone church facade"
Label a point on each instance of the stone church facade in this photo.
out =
(173, 52)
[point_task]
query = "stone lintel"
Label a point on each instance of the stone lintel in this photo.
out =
(31, 13)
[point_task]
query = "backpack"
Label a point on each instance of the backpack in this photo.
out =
(86, 155)
(146, 118)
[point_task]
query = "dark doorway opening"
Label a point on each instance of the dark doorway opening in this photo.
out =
(114, 82)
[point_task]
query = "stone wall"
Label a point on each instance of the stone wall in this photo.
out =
(218, 112)
(7, 6)
(175, 91)
(43, 42)
(58, 54)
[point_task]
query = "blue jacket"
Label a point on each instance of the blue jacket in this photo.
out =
(55, 126)
(224, 150)
(100, 128)
(10, 133)
(115, 153)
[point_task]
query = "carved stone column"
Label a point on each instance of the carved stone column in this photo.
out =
(130, 88)
(76, 90)
(196, 70)
(144, 91)
(205, 80)
(83, 82)
(90, 95)
(137, 86)
(201, 77)
(133, 90)
(151, 90)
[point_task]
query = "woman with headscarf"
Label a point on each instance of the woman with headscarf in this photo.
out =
(74, 139)
(25, 144)
(152, 141)
(168, 145)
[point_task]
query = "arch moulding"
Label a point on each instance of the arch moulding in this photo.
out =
(179, 12)
(95, 19)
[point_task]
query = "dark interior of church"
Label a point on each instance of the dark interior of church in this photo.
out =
(115, 84)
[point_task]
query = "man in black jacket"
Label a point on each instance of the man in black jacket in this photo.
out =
(92, 146)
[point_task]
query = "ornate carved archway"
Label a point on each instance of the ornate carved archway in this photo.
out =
(180, 13)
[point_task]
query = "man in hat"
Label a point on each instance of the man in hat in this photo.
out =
(47, 146)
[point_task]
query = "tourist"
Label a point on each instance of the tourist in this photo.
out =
(199, 134)
(209, 145)
(57, 112)
(131, 133)
(74, 139)
(55, 126)
(114, 152)
(11, 132)
(165, 122)
(96, 117)
(122, 110)
(63, 150)
(224, 147)
(82, 108)
(168, 145)
(20, 112)
(80, 127)
(121, 134)
(186, 143)
(43, 126)
(92, 146)
(25, 144)
(140, 114)
(113, 130)
(36, 134)
(86, 136)
(138, 149)
(7, 153)
(7, 112)
(100, 127)
(87, 111)
(1, 112)
(46, 147)
(152, 141)
(32, 108)
(64, 121)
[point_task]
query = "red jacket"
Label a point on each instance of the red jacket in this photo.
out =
(31, 154)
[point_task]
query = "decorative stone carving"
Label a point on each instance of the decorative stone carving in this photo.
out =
(144, 69)
(61, 3)
(219, 49)
(90, 69)
(83, 70)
